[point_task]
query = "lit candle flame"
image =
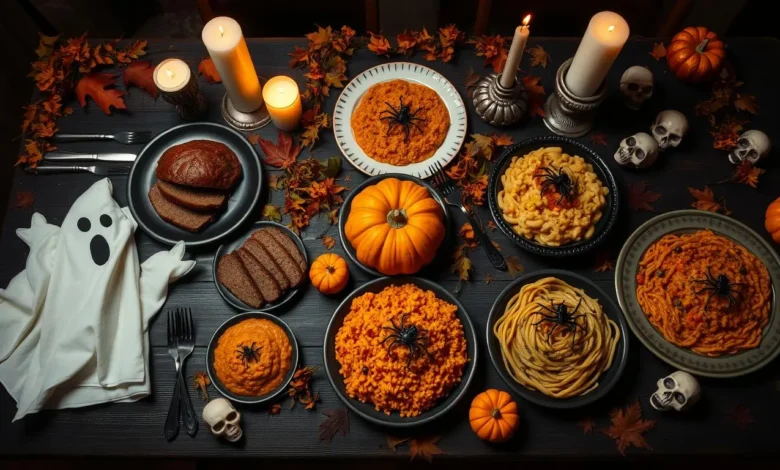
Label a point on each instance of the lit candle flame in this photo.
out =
(526, 20)
(611, 28)
(170, 73)
(221, 31)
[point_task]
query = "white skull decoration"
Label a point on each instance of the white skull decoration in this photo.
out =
(752, 146)
(640, 150)
(669, 128)
(678, 391)
(636, 84)
(223, 419)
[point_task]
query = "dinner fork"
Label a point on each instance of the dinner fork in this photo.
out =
(171, 427)
(127, 137)
(447, 186)
(185, 345)
(100, 170)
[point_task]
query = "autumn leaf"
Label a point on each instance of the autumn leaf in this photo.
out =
(515, 266)
(502, 140)
(337, 421)
(492, 49)
(746, 103)
(538, 56)
(485, 145)
(747, 173)
(658, 52)
(209, 71)
(253, 138)
(425, 448)
(94, 85)
(406, 43)
(587, 425)
(394, 441)
(200, 382)
(536, 95)
(628, 428)
(461, 265)
(598, 138)
(741, 417)
(140, 74)
(378, 44)
(282, 154)
(25, 199)
(299, 390)
(488, 278)
(640, 197)
(313, 122)
(472, 78)
(467, 233)
(491, 225)
(271, 212)
(705, 201)
(328, 241)
(604, 262)
(320, 38)
(45, 45)
(726, 133)
(275, 409)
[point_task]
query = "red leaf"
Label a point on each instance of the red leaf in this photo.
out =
(424, 448)
(640, 198)
(338, 421)
(283, 153)
(628, 427)
(94, 85)
(25, 199)
(598, 138)
(140, 74)
(208, 70)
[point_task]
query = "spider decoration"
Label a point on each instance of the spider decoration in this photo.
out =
(561, 317)
(558, 180)
(248, 353)
(719, 286)
(410, 336)
(403, 116)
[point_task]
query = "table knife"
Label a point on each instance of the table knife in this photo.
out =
(93, 157)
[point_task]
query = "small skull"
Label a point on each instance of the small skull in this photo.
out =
(669, 128)
(223, 419)
(636, 84)
(679, 391)
(640, 150)
(752, 146)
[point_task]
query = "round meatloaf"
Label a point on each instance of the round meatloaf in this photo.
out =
(200, 164)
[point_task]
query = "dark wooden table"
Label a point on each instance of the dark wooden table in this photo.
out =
(136, 429)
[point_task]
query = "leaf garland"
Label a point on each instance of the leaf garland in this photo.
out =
(439, 47)
(493, 49)
(470, 170)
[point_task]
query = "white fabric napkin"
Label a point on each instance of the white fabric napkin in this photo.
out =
(74, 323)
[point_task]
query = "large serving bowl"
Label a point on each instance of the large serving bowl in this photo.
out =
(571, 147)
(367, 410)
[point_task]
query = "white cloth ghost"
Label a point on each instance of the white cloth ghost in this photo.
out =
(74, 323)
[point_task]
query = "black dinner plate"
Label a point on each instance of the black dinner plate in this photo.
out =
(234, 245)
(213, 344)
(243, 199)
(367, 410)
(571, 147)
(607, 380)
(346, 208)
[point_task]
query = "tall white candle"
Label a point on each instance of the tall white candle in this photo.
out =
(606, 34)
(515, 53)
(227, 48)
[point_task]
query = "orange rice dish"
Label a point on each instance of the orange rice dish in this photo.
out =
(374, 375)
(678, 275)
(371, 132)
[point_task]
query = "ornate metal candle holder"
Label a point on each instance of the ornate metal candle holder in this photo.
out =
(567, 114)
(190, 104)
(245, 121)
(497, 105)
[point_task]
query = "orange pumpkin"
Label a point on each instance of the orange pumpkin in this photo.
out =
(493, 416)
(329, 273)
(772, 220)
(695, 54)
(395, 226)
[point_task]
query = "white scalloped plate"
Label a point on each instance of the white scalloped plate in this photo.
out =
(354, 91)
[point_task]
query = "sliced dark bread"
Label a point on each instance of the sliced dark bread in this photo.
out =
(288, 265)
(255, 248)
(232, 274)
(178, 215)
(201, 200)
(289, 245)
(265, 283)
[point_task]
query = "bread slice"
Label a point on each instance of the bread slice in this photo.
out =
(265, 283)
(200, 200)
(289, 245)
(288, 265)
(256, 249)
(232, 274)
(178, 215)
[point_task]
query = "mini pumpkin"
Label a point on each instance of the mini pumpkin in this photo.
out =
(772, 220)
(329, 273)
(395, 226)
(695, 54)
(493, 416)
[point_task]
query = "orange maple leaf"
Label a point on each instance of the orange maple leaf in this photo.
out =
(94, 85)
(467, 233)
(209, 70)
(275, 409)
(536, 95)
(538, 56)
(424, 448)
(628, 427)
(746, 103)
(747, 173)
(378, 44)
(492, 49)
(328, 242)
(659, 51)
(502, 140)
(705, 201)
(282, 154)
(140, 74)
(320, 38)
(406, 43)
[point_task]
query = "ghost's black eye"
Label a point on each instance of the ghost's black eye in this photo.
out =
(105, 220)
(83, 224)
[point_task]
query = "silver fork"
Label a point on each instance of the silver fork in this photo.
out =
(171, 427)
(127, 137)
(100, 170)
(447, 186)
(186, 344)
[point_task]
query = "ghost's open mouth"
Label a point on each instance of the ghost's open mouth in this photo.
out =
(99, 249)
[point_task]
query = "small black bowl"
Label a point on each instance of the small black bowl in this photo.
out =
(236, 244)
(571, 147)
(367, 410)
(346, 208)
(213, 344)
(607, 380)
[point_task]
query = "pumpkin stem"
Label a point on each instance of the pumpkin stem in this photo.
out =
(330, 269)
(495, 413)
(397, 218)
(702, 45)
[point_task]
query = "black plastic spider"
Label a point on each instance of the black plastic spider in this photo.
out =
(557, 179)
(411, 337)
(719, 286)
(248, 353)
(561, 317)
(403, 116)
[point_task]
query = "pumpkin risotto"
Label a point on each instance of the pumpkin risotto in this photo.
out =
(374, 350)
(388, 143)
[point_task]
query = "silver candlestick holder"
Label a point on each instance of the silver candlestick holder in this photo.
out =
(567, 114)
(498, 105)
(245, 121)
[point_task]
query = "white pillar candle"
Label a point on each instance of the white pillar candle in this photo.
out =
(171, 75)
(606, 34)
(227, 48)
(515, 53)
(283, 101)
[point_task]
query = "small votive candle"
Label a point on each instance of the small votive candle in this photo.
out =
(283, 101)
(179, 87)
